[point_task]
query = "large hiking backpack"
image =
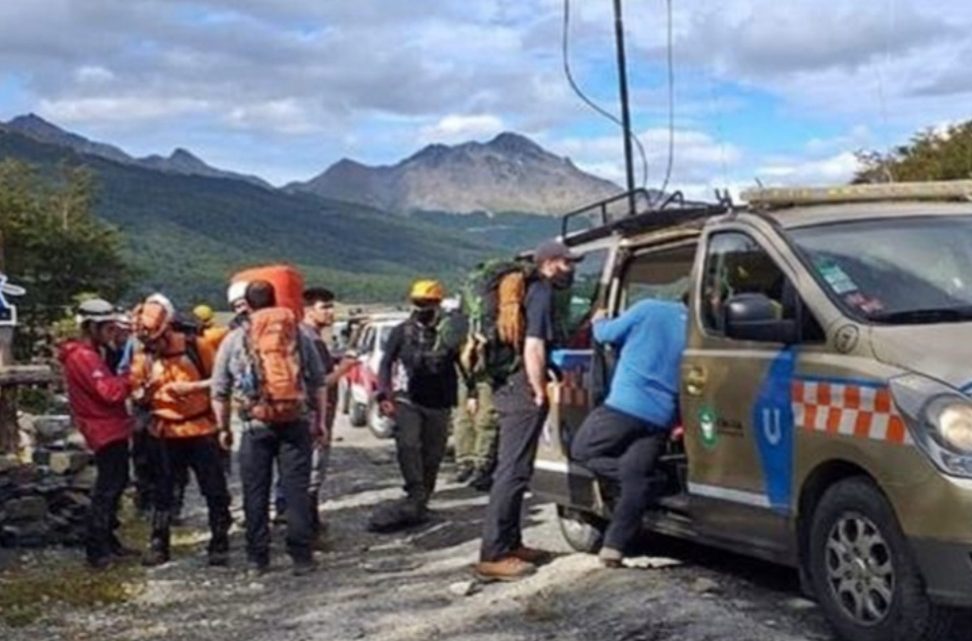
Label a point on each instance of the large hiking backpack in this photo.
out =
(273, 347)
(494, 302)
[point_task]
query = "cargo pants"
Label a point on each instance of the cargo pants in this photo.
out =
(475, 436)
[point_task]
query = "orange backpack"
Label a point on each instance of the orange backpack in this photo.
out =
(274, 349)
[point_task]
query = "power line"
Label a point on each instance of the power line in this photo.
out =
(671, 100)
(590, 103)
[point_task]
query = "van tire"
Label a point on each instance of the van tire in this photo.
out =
(847, 509)
(583, 532)
(359, 414)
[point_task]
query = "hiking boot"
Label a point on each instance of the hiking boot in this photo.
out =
(509, 568)
(610, 558)
(397, 516)
(481, 481)
(99, 563)
(531, 555)
(158, 552)
(255, 568)
(218, 558)
(464, 472)
(303, 567)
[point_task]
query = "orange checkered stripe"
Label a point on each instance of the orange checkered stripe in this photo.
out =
(858, 411)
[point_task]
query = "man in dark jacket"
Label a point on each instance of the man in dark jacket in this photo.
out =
(97, 396)
(418, 385)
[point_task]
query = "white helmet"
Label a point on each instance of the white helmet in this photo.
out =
(95, 310)
(236, 291)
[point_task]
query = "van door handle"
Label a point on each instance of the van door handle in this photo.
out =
(695, 380)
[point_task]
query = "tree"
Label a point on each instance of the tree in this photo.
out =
(55, 247)
(932, 154)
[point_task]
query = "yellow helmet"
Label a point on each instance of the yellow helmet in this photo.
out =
(431, 290)
(204, 314)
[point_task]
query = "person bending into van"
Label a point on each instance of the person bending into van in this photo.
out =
(275, 373)
(418, 385)
(170, 377)
(522, 404)
(622, 439)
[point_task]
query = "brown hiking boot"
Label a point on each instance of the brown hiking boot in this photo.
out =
(531, 555)
(509, 568)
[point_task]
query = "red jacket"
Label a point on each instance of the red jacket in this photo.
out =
(97, 396)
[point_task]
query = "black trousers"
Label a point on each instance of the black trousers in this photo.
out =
(624, 449)
(171, 458)
(290, 446)
(142, 467)
(521, 422)
(111, 463)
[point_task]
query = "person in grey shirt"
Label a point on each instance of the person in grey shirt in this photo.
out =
(289, 444)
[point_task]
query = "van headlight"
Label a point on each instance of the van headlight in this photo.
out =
(940, 420)
(952, 419)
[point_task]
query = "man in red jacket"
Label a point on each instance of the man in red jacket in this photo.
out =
(97, 396)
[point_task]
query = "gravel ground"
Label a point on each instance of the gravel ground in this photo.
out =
(417, 585)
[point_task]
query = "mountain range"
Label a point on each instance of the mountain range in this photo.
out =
(189, 226)
(508, 173)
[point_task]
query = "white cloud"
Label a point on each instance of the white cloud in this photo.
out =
(459, 128)
(94, 75)
(122, 109)
(287, 116)
(835, 169)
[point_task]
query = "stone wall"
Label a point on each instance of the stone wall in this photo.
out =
(44, 491)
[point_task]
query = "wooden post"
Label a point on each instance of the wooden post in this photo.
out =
(9, 430)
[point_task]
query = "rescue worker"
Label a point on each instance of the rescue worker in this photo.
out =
(209, 330)
(274, 404)
(418, 384)
(522, 404)
(622, 439)
(474, 432)
(170, 376)
(98, 403)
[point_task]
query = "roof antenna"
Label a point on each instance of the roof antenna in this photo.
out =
(625, 111)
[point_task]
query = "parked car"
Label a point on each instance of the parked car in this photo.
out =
(826, 401)
(367, 345)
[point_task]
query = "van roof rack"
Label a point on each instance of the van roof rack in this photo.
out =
(672, 210)
(793, 196)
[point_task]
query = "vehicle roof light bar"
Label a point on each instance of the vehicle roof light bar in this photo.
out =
(791, 196)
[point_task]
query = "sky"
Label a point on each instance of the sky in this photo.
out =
(783, 92)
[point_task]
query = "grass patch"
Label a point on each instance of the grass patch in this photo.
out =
(28, 591)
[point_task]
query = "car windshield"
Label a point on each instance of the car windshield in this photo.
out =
(895, 270)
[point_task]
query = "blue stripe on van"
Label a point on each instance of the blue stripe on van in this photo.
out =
(838, 380)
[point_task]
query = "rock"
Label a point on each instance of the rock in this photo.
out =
(800, 604)
(388, 566)
(48, 429)
(465, 588)
(68, 462)
(8, 462)
(36, 534)
(28, 508)
(256, 586)
(85, 479)
(652, 562)
(703, 585)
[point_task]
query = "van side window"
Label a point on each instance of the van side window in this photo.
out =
(574, 307)
(661, 274)
(736, 264)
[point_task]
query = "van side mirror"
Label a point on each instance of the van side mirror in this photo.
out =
(754, 317)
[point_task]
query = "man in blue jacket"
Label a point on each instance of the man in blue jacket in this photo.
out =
(622, 439)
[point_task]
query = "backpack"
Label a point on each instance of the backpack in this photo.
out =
(493, 297)
(277, 394)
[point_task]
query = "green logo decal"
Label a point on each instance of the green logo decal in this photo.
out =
(707, 423)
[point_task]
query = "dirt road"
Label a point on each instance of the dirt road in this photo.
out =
(416, 586)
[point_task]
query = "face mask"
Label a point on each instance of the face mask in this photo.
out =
(426, 316)
(563, 280)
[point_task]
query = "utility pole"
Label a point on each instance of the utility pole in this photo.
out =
(625, 112)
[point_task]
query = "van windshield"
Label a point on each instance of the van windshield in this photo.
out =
(896, 271)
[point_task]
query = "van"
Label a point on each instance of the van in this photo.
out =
(826, 418)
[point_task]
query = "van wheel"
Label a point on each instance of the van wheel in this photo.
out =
(359, 415)
(380, 426)
(863, 572)
(583, 532)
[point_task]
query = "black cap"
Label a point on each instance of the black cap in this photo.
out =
(552, 250)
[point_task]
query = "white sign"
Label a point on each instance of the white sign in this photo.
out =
(8, 311)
